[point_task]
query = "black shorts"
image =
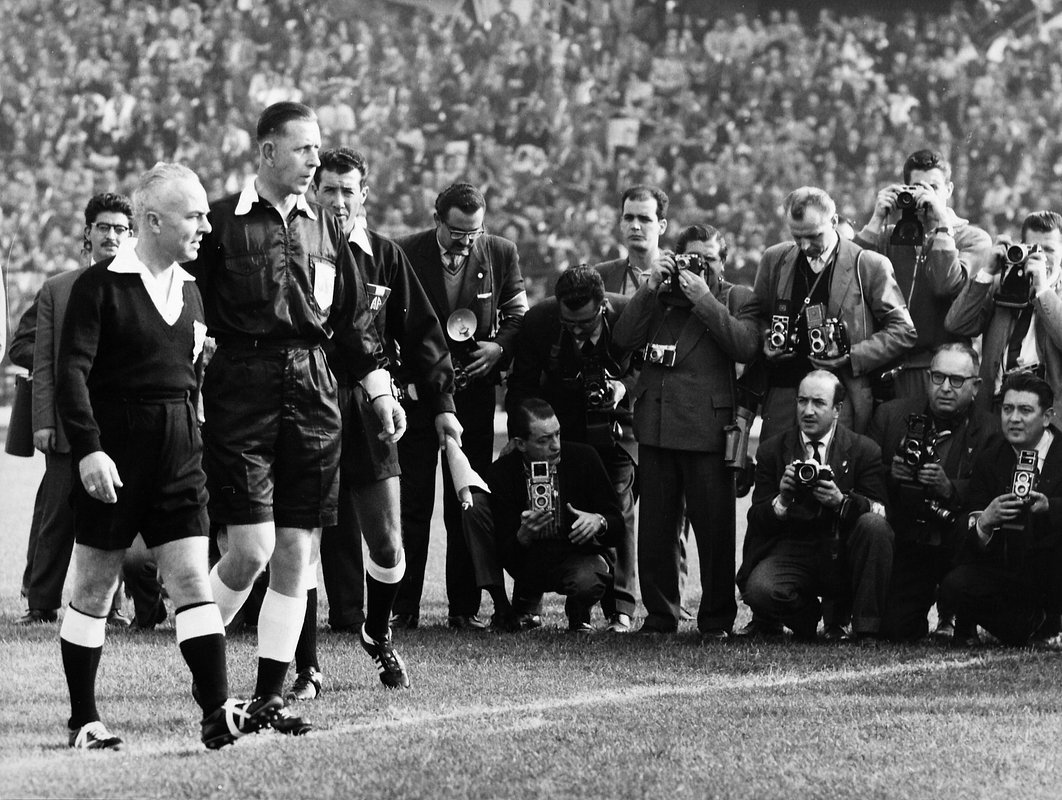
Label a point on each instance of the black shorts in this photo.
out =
(365, 458)
(272, 436)
(158, 453)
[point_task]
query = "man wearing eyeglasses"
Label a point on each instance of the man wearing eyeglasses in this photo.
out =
(565, 356)
(462, 268)
(1021, 333)
(928, 448)
(35, 346)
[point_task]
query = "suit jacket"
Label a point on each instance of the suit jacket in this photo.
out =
(686, 406)
(618, 277)
(21, 346)
(1037, 555)
(858, 473)
(867, 299)
(546, 363)
(974, 312)
(581, 481)
(51, 311)
(493, 287)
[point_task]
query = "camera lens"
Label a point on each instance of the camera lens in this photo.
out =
(807, 473)
(905, 199)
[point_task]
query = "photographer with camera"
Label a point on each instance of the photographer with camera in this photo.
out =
(1009, 578)
(928, 448)
(933, 251)
(1015, 302)
(552, 519)
(825, 303)
(564, 354)
(817, 525)
(690, 327)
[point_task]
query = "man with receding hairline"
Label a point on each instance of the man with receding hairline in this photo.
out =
(126, 385)
(278, 281)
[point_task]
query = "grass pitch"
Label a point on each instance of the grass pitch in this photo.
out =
(542, 714)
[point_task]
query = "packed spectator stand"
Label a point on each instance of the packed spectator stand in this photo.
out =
(552, 116)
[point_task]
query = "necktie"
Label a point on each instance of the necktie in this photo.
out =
(1022, 321)
(816, 453)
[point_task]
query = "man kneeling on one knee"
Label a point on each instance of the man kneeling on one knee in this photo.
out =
(552, 519)
(817, 523)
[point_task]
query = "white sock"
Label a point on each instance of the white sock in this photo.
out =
(387, 574)
(279, 625)
(229, 601)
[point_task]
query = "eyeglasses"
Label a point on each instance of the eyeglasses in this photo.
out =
(581, 324)
(457, 234)
(103, 229)
(956, 381)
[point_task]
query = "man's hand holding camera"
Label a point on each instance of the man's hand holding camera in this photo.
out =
(924, 198)
(824, 491)
(931, 476)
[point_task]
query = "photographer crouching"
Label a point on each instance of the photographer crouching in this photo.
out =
(928, 447)
(1010, 574)
(564, 354)
(817, 525)
(690, 326)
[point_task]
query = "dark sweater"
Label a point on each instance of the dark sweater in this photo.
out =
(116, 345)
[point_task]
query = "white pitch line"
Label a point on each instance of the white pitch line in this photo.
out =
(637, 694)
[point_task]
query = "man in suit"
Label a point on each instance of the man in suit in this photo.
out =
(565, 355)
(812, 533)
(108, 218)
(931, 269)
(1010, 576)
(820, 278)
(690, 326)
(463, 269)
(1021, 332)
(643, 220)
(562, 540)
(928, 448)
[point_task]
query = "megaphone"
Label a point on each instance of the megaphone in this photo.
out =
(460, 328)
(461, 325)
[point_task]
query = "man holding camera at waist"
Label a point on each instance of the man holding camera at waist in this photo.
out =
(552, 518)
(817, 525)
(1015, 301)
(826, 303)
(928, 448)
(1010, 573)
(933, 251)
(565, 355)
(691, 327)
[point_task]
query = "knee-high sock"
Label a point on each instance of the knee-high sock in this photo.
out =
(279, 624)
(381, 585)
(81, 641)
(228, 600)
(201, 637)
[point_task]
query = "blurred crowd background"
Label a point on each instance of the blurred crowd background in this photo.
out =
(552, 111)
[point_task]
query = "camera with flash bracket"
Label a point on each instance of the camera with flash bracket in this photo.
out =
(460, 330)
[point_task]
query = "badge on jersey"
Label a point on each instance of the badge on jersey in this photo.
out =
(324, 282)
(377, 295)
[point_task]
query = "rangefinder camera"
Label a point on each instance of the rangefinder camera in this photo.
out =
(540, 492)
(1023, 483)
(694, 262)
(1015, 286)
(905, 198)
(809, 472)
(918, 447)
(781, 338)
(827, 336)
(662, 355)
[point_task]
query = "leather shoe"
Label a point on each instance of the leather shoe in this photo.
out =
(405, 622)
(758, 628)
(466, 622)
(505, 622)
(580, 628)
(715, 635)
(836, 634)
(37, 616)
(619, 623)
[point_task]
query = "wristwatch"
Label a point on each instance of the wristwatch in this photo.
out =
(945, 229)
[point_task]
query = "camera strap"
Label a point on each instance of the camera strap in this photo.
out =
(828, 269)
(1022, 321)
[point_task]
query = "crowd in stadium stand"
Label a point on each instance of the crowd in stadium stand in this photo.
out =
(552, 117)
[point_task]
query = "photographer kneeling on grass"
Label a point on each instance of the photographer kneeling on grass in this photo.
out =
(1009, 577)
(817, 523)
(552, 520)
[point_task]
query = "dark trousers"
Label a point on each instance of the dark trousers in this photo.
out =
(342, 563)
(1006, 604)
(418, 452)
(788, 583)
(667, 477)
(51, 539)
(619, 597)
(917, 571)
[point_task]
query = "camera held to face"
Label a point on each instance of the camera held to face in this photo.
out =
(662, 355)
(781, 338)
(1015, 287)
(909, 230)
(460, 328)
(693, 262)
(827, 336)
